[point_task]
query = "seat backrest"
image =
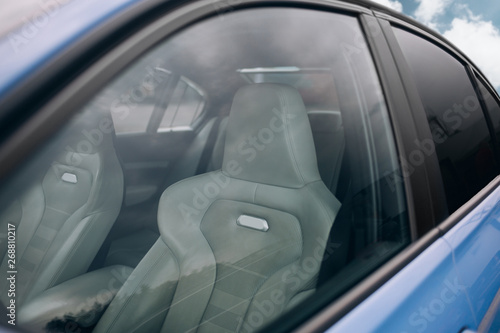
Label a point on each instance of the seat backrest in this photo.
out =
(239, 245)
(63, 218)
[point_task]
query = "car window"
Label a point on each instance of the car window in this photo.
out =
(297, 204)
(459, 129)
(186, 105)
(153, 100)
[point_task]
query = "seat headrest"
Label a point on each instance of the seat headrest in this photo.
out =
(269, 138)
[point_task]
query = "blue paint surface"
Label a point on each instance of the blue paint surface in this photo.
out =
(448, 287)
(50, 33)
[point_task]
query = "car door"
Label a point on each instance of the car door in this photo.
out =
(392, 195)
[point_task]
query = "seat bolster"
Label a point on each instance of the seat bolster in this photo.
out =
(81, 300)
(31, 206)
(72, 251)
(183, 274)
(316, 208)
(181, 210)
(144, 300)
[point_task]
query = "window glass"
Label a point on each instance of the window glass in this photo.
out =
(149, 93)
(186, 105)
(456, 120)
(278, 197)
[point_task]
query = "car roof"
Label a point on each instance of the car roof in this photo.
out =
(38, 41)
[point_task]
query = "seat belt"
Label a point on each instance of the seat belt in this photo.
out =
(340, 239)
(209, 148)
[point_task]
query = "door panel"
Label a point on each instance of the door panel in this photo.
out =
(476, 248)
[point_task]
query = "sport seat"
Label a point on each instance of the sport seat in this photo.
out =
(62, 220)
(240, 245)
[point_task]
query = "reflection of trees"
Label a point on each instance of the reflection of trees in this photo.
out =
(82, 321)
(161, 291)
(85, 320)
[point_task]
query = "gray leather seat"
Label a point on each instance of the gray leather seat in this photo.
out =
(328, 135)
(239, 245)
(63, 218)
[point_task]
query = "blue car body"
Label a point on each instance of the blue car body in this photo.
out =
(448, 287)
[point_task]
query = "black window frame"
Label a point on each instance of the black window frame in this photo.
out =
(467, 69)
(478, 78)
(442, 217)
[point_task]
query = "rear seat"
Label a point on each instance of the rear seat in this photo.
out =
(328, 133)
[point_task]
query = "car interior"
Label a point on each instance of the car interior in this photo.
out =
(218, 182)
